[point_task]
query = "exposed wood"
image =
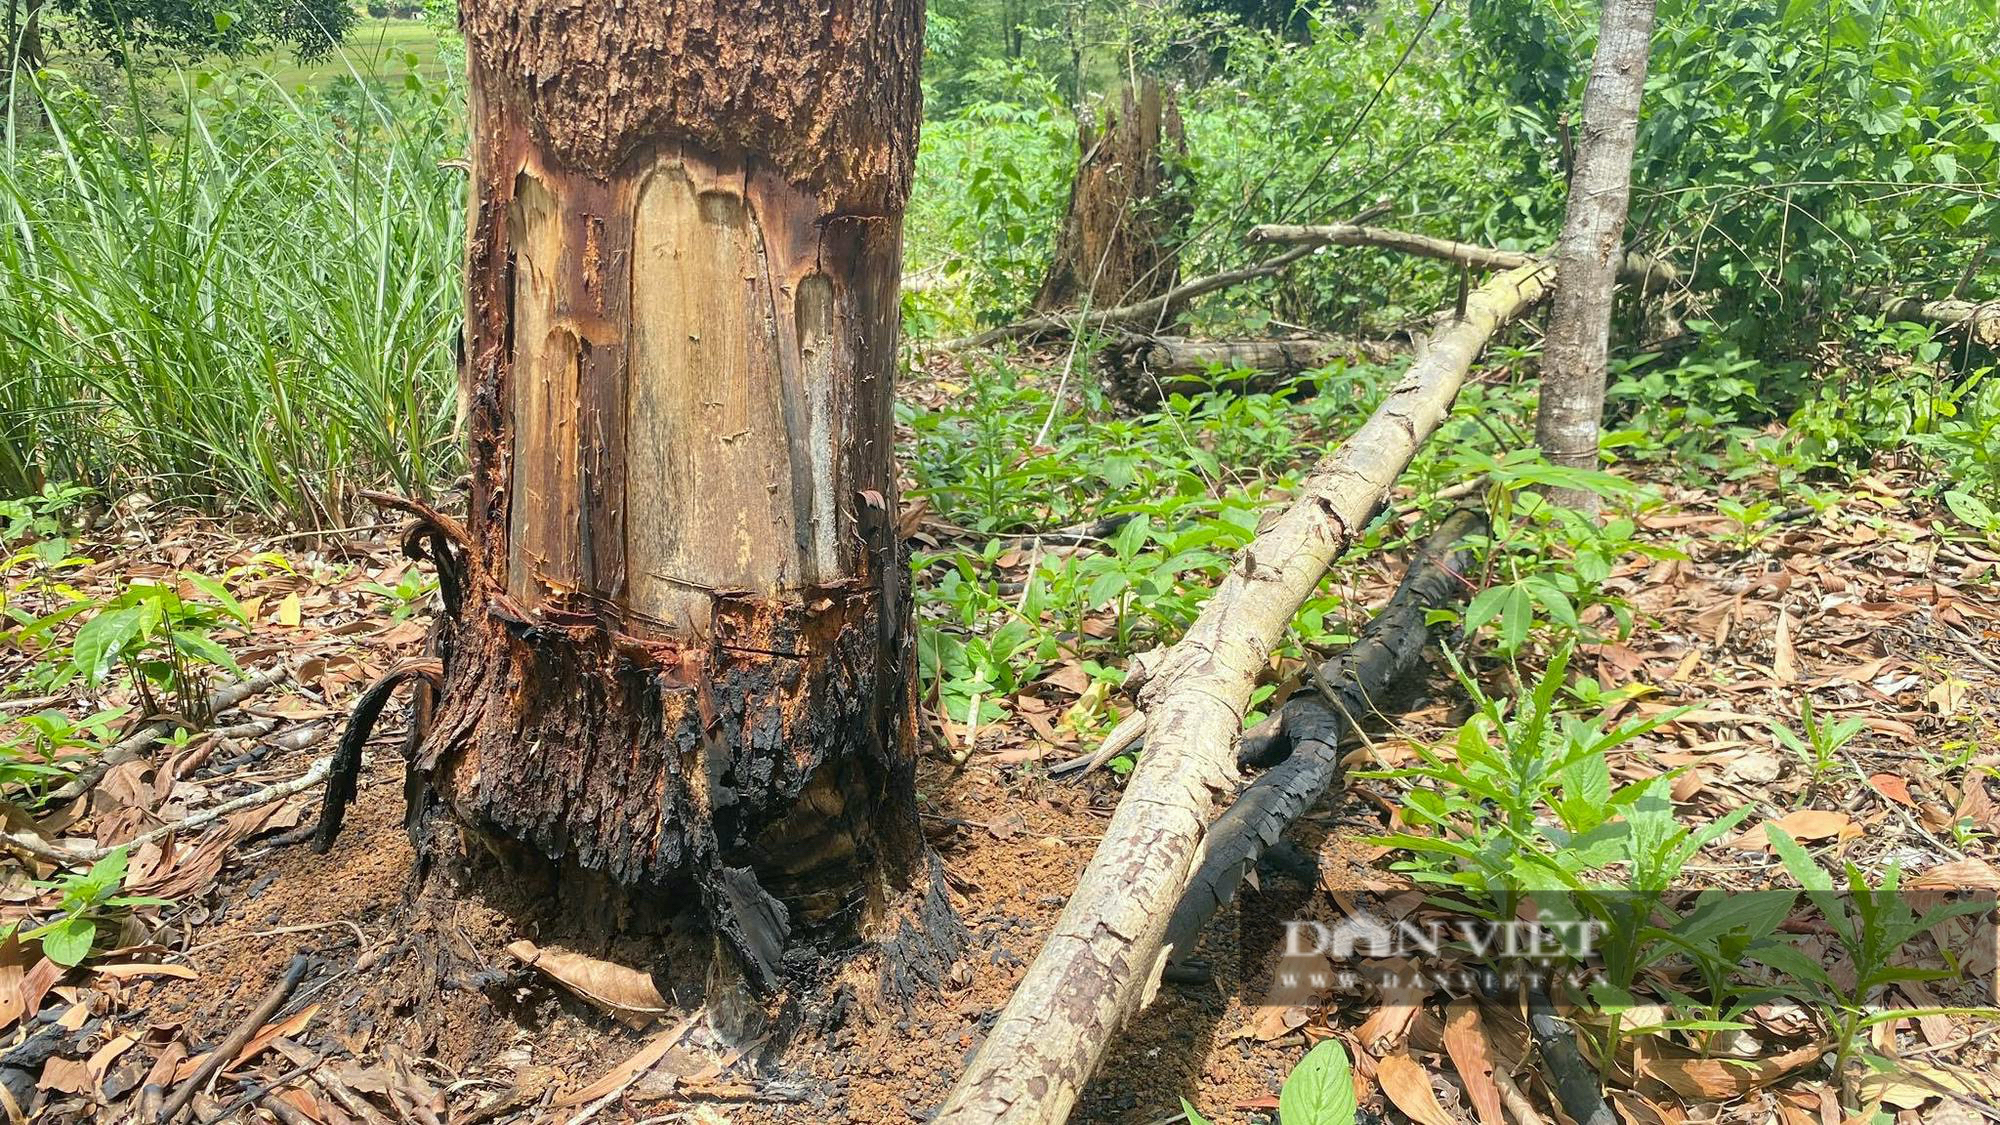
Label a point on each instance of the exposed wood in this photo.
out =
(1979, 320)
(1306, 734)
(1121, 233)
(1140, 316)
(1104, 957)
(1591, 253)
(683, 664)
(1143, 370)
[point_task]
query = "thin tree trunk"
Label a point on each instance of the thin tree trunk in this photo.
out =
(1591, 250)
(681, 664)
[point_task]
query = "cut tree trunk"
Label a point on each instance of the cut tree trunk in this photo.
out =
(1576, 348)
(1120, 238)
(1143, 370)
(681, 666)
(1104, 957)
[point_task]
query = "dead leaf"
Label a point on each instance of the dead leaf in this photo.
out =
(1962, 874)
(626, 993)
(1408, 1085)
(1718, 1079)
(1800, 824)
(622, 1075)
(1471, 1055)
(286, 1028)
(1784, 659)
(136, 969)
(1892, 787)
(68, 1076)
(1915, 1082)
(287, 613)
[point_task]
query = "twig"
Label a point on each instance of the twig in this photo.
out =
(1577, 1086)
(226, 1051)
(138, 742)
(72, 858)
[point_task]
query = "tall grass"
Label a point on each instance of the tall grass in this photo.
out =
(252, 303)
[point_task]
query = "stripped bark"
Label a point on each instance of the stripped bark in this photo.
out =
(1144, 370)
(682, 668)
(1576, 349)
(1121, 234)
(1104, 957)
(1301, 743)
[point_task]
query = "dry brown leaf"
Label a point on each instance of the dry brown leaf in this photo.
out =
(286, 1028)
(1915, 1082)
(1892, 787)
(625, 1073)
(133, 969)
(1962, 874)
(1471, 1055)
(1784, 659)
(1408, 1086)
(1711, 1079)
(68, 1076)
(624, 992)
(1800, 824)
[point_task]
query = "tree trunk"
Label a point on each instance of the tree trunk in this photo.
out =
(1592, 246)
(681, 662)
(1120, 240)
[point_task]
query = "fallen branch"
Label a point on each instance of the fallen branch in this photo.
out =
(135, 745)
(78, 857)
(1648, 273)
(1306, 733)
(1106, 951)
(1979, 320)
(226, 1051)
(1142, 315)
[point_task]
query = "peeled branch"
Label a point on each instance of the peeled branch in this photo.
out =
(1103, 959)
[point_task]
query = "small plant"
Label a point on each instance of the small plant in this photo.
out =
(90, 904)
(1318, 1091)
(1872, 925)
(1752, 520)
(33, 748)
(162, 638)
(1820, 747)
(406, 597)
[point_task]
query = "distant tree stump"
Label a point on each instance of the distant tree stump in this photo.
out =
(1120, 241)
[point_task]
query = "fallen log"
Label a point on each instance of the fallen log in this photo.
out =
(1302, 741)
(1979, 320)
(1648, 273)
(1104, 957)
(1143, 370)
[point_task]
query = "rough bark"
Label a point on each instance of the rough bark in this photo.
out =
(1121, 234)
(1576, 348)
(1144, 370)
(682, 659)
(1104, 957)
(1301, 743)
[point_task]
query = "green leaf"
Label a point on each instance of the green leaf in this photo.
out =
(102, 642)
(68, 942)
(201, 647)
(1320, 1090)
(1194, 1118)
(220, 593)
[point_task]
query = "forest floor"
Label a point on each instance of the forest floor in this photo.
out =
(1872, 608)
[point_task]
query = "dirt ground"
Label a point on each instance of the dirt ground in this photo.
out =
(419, 1012)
